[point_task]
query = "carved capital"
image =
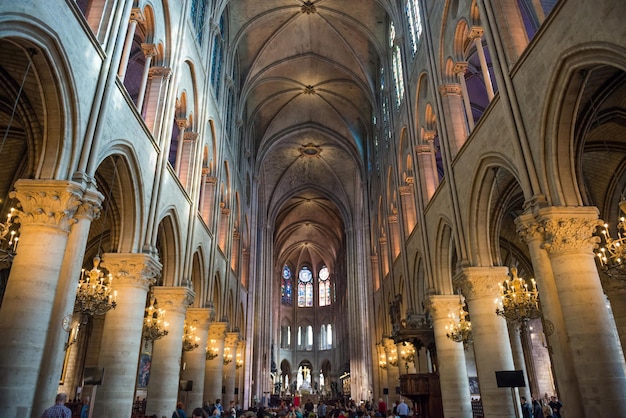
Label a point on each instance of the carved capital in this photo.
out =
(150, 50)
(440, 306)
(91, 205)
(405, 190)
(174, 299)
(181, 123)
(199, 317)
(225, 211)
(190, 136)
(481, 282)
(476, 32)
(423, 149)
(450, 89)
(232, 339)
(163, 72)
(569, 230)
(47, 202)
(137, 14)
(528, 228)
(393, 219)
(460, 67)
(217, 330)
(429, 135)
(136, 270)
(211, 179)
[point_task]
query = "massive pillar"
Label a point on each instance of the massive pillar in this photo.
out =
(597, 359)
(121, 335)
(455, 391)
(230, 364)
(48, 209)
(194, 360)
(167, 351)
(481, 286)
(214, 361)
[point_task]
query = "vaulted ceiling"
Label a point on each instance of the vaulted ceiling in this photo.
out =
(309, 74)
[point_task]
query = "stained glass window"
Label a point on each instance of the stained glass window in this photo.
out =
(305, 287)
(324, 287)
(285, 287)
(415, 23)
(198, 14)
(396, 65)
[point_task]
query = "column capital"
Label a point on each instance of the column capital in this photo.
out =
(217, 330)
(459, 67)
(569, 229)
(430, 135)
(393, 219)
(440, 306)
(232, 339)
(50, 203)
(481, 282)
(406, 190)
(181, 123)
(190, 136)
(199, 317)
(137, 15)
(450, 89)
(163, 72)
(476, 32)
(149, 50)
(423, 149)
(90, 206)
(174, 298)
(132, 269)
(528, 228)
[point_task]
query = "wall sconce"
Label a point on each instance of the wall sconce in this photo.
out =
(228, 357)
(382, 363)
(190, 340)
(239, 361)
(211, 351)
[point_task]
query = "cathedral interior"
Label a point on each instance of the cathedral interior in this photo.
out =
(313, 199)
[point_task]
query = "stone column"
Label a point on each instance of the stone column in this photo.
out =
(481, 286)
(616, 292)
(47, 213)
(393, 371)
(195, 359)
(182, 125)
(150, 51)
(476, 34)
(459, 70)
(121, 334)
(65, 296)
(230, 369)
(136, 16)
(452, 98)
(455, 391)
(167, 351)
(598, 360)
(213, 367)
(561, 355)
(518, 358)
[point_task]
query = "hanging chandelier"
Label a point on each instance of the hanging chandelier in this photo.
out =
(611, 255)
(94, 296)
(8, 239)
(228, 357)
(154, 324)
(459, 329)
(519, 301)
(212, 350)
(190, 340)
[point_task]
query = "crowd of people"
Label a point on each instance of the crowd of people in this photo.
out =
(541, 408)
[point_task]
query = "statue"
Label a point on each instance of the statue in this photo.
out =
(394, 312)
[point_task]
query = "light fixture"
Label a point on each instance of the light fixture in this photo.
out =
(190, 340)
(154, 324)
(392, 360)
(459, 329)
(519, 301)
(611, 255)
(408, 355)
(212, 351)
(382, 363)
(8, 239)
(94, 296)
(228, 357)
(239, 361)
